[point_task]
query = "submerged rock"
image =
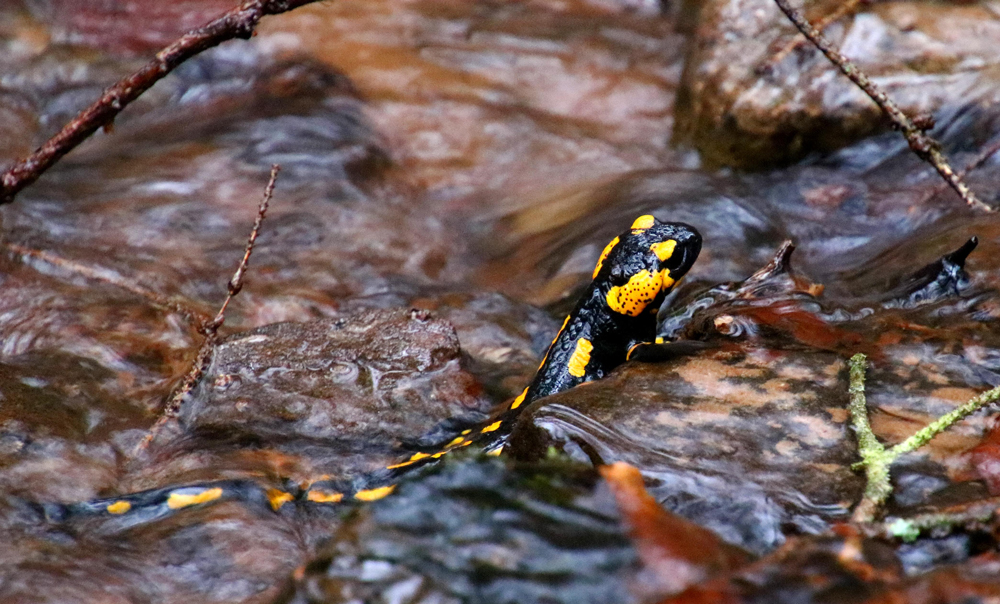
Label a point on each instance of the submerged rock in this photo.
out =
(480, 531)
(379, 378)
(749, 443)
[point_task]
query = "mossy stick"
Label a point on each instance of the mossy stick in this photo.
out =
(924, 435)
(874, 458)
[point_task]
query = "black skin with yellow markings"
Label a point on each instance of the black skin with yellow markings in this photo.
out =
(613, 334)
(615, 314)
(605, 325)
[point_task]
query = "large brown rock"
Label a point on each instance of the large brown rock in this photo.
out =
(741, 109)
(378, 377)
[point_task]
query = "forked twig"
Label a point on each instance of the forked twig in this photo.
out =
(875, 458)
(237, 23)
(210, 329)
(923, 145)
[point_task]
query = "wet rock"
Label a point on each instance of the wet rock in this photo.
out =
(377, 379)
(225, 553)
(504, 339)
(480, 532)
(303, 401)
(749, 443)
(741, 109)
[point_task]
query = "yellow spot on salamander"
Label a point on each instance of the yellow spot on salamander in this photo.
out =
(177, 500)
(278, 498)
(659, 339)
(495, 452)
(558, 333)
(413, 459)
(455, 442)
(633, 297)
(465, 432)
(118, 507)
(542, 364)
(666, 280)
(374, 494)
(401, 464)
(492, 427)
(643, 222)
(664, 250)
(577, 366)
(604, 256)
(520, 399)
(320, 496)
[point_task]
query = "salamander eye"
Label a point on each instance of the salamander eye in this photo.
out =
(677, 259)
(684, 256)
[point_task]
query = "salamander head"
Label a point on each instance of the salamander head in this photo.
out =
(642, 264)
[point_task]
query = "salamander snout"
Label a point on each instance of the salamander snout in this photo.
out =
(684, 252)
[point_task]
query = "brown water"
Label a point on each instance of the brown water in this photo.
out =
(471, 159)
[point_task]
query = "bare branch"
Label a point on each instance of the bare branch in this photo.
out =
(237, 23)
(210, 329)
(924, 146)
(236, 283)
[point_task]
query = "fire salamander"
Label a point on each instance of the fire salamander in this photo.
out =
(616, 314)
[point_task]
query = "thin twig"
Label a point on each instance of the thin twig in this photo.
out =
(194, 317)
(210, 329)
(969, 517)
(237, 23)
(923, 145)
(235, 284)
(177, 397)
